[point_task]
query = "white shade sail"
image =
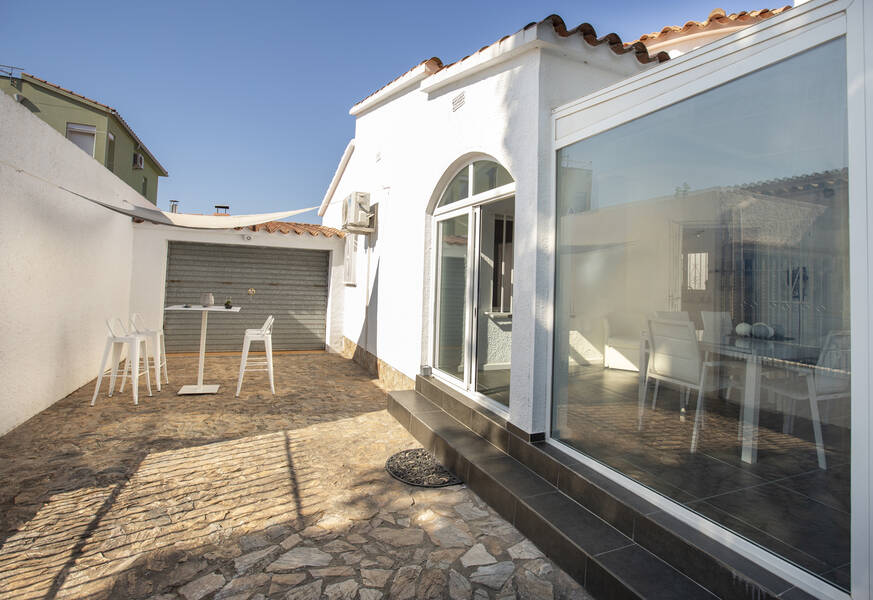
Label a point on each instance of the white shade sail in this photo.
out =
(153, 215)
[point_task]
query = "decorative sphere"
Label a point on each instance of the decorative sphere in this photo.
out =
(762, 330)
(744, 329)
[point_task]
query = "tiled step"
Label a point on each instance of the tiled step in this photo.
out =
(717, 568)
(605, 560)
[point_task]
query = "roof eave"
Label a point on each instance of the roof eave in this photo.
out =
(338, 174)
(404, 82)
(96, 106)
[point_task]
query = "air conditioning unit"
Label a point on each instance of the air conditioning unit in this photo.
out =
(357, 215)
(138, 162)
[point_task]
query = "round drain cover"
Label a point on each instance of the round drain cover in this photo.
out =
(419, 467)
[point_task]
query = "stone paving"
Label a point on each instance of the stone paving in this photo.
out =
(285, 497)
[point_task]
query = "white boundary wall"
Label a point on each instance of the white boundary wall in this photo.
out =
(64, 264)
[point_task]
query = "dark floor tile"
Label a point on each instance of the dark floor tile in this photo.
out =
(597, 500)
(797, 594)
(459, 410)
(634, 471)
(553, 542)
(399, 412)
(603, 585)
(650, 577)
(775, 545)
(588, 531)
(517, 478)
(450, 458)
(421, 432)
(497, 496)
(413, 401)
(841, 577)
(831, 487)
(793, 518)
(534, 458)
(720, 569)
(490, 430)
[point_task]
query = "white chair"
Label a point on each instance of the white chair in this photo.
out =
(828, 380)
(716, 326)
(672, 315)
(154, 337)
(136, 348)
(675, 357)
(264, 334)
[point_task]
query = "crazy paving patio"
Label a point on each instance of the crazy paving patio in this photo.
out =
(245, 498)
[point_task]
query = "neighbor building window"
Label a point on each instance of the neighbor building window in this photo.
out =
(83, 136)
(702, 343)
(110, 152)
(145, 187)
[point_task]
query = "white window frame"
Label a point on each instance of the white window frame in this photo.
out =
(774, 40)
(350, 260)
(468, 206)
(82, 128)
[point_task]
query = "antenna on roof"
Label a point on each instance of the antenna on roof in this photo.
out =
(9, 70)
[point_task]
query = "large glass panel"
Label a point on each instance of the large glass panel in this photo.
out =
(451, 296)
(488, 175)
(702, 340)
(494, 322)
(458, 188)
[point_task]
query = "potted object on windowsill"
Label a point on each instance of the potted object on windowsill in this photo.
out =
(227, 303)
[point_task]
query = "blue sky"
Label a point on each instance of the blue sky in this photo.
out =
(246, 103)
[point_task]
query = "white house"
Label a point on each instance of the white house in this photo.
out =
(650, 259)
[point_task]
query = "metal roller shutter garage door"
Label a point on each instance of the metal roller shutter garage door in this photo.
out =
(290, 284)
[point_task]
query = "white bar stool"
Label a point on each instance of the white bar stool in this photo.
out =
(155, 337)
(116, 341)
(264, 334)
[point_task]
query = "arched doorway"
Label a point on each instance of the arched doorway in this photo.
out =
(473, 245)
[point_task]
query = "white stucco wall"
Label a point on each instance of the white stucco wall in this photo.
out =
(150, 243)
(407, 148)
(64, 264)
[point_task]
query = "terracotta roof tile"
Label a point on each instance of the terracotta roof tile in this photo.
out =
(432, 65)
(586, 30)
(589, 34)
(288, 227)
(717, 19)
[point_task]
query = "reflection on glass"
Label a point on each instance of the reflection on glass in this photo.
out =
(702, 306)
(488, 175)
(494, 322)
(451, 324)
(458, 188)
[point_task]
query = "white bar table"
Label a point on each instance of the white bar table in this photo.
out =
(199, 388)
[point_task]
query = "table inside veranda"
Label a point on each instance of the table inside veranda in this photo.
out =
(199, 387)
(756, 353)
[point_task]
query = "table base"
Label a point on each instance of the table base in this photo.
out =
(198, 389)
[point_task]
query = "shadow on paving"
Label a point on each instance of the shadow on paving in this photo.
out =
(71, 446)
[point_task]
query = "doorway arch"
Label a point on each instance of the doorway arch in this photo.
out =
(472, 222)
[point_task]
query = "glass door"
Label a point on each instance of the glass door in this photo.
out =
(493, 311)
(451, 339)
(474, 281)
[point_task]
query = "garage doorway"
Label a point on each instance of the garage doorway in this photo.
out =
(289, 283)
